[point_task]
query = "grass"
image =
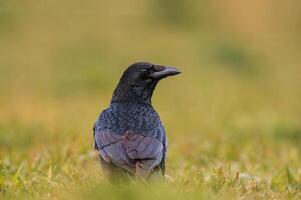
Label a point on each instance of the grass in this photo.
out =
(232, 116)
(208, 167)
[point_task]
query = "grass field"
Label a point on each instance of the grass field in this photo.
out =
(233, 117)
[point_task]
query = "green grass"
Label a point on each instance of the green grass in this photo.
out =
(232, 116)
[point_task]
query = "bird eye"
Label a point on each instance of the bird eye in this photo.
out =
(144, 71)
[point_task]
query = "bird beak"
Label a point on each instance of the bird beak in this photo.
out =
(165, 71)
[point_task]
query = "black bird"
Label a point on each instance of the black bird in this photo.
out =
(129, 134)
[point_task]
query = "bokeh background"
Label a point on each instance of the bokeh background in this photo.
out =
(233, 117)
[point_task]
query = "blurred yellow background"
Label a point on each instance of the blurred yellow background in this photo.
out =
(241, 80)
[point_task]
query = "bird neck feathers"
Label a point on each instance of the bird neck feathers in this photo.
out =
(141, 94)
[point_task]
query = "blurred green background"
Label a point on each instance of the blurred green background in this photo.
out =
(233, 117)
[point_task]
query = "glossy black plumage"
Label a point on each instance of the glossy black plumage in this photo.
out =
(129, 134)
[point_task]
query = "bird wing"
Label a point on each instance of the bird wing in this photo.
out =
(137, 153)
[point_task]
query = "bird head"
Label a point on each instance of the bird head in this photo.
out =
(139, 81)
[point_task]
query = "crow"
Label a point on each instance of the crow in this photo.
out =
(129, 134)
